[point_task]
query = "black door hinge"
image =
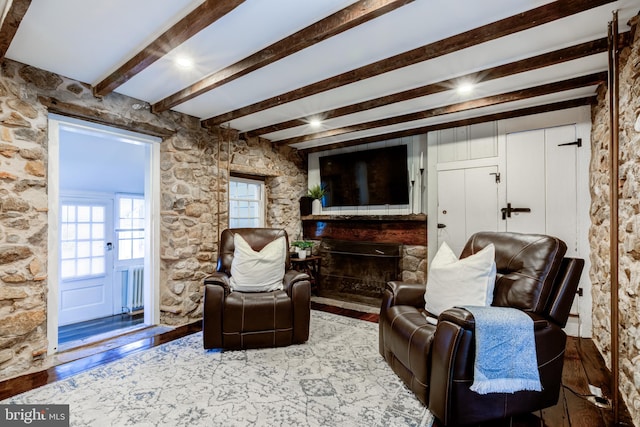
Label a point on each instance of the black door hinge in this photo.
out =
(577, 142)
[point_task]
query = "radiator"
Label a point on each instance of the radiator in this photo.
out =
(133, 295)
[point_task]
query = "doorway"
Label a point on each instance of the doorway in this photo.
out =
(538, 194)
(535, 180)
(103, 195)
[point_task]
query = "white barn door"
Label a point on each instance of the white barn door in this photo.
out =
(541, 176)
(537, 192)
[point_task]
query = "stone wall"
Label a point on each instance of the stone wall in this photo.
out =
(259, 156)
(414, 263)
(629, 226)
(23, 227)
(195, 166)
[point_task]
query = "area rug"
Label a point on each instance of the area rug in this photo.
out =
(337, 378)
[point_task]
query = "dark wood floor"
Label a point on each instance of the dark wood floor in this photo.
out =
(82, 330)
(583, 366)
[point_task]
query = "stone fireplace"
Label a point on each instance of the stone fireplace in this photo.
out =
(358, 271)
(361, 253)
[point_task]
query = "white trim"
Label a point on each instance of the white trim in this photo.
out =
(152, 236)
(432, 195)
(152, 205)
(263, 204)
(53, 219)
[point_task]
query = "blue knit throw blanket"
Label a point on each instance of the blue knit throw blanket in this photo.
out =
(505, 351)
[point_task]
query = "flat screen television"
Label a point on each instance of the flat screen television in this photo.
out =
(365, 178)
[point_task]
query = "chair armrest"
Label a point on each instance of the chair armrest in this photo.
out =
(453, 356)
(464, 319)
(458, 316)
(216, 289)
(219, 279)
(299, 290)
(405, 293)
(291, 277)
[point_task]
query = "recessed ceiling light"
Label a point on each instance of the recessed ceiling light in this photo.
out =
(465, 88)
(315, 123)
(184, 62)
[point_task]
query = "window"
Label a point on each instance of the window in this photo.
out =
(130, 227)
(82, 232)
(246, 203)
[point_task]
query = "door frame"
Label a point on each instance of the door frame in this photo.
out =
(152, 222)
(581, 117)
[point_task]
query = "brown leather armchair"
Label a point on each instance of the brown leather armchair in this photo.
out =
(237, 320)
(437, 361)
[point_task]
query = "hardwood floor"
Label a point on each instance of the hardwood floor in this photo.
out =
(583, 366)
(82, 330)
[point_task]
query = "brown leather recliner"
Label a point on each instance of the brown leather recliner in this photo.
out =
(238, 320)
(437, 362)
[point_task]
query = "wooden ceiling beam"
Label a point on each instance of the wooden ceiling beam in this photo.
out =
(9, 26)
(516, 23)
(545, 89)
(197, 20)
(528, 111)
(343, 20)
(103, 117)
(533, 63)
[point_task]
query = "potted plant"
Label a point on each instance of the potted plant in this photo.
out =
(316, 192)
(302, 246)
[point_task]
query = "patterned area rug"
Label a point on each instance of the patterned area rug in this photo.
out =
(338, 378)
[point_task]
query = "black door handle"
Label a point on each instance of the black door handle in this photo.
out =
(442, 225)
(506, 212)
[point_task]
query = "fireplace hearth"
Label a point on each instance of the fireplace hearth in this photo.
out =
(358, 271)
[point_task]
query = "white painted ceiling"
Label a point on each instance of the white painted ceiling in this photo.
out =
(100, 162)
(89, 39)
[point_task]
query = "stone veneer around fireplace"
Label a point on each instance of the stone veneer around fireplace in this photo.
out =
(406, 233)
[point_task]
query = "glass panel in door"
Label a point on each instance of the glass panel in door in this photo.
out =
(85, 260)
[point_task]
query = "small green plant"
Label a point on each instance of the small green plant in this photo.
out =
(302, 244)
(316, 192)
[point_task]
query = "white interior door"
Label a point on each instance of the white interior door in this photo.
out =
(525, 183)
(543, 189)
(542, 176)
(86, 261)
(467, 203)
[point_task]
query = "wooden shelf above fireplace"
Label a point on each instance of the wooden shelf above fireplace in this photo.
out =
(383, 218)
(405, 229)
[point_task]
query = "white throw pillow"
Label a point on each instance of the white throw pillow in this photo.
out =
(452, 282)
(262, 271)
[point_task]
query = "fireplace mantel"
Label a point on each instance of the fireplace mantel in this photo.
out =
(405, 229)
(383, 218)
